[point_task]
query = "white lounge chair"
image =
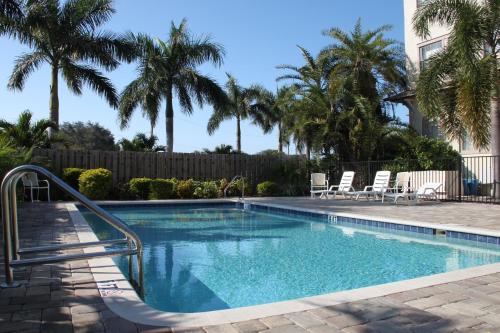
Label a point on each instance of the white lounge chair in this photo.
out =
(31, 182)
(380, 184)
(319, 183)
(427, 191)
(344, 187)
(402, 180)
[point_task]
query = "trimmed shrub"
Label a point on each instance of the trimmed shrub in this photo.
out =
(185, 188)
(140, 187)
(161, 189)
(95, 183)
(207, 190)
(71, 176)
(267, 189)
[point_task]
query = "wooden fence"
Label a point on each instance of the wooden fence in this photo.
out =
(126, 165)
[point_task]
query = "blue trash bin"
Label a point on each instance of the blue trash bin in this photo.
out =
(471, 186)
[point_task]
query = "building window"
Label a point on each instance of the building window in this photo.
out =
(427, 51)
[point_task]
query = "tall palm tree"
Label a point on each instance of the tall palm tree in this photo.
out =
(168, 67)
(460, 86)
(278, 105)
(242, 103)
(366, 63)
(24, 133)
(66, 36)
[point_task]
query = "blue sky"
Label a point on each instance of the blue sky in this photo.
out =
(257, 36)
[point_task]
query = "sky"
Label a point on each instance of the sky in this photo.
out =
(257, 36)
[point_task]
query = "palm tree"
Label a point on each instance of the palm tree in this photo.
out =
(278, 106)
(141, 142)
(242, 103)
(460, 86)
(10, 9)
(66, 37)
(366, 63)
(26, 134)
(168, 67)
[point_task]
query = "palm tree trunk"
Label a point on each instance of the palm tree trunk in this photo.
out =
(238, 134)
(169, 113)
(280, 138)
(54, 97)
(495, 142)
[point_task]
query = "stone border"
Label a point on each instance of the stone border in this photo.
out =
(121, 298)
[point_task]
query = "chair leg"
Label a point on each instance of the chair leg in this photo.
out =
(48, 194)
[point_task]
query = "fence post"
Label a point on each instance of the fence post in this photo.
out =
(460, 180)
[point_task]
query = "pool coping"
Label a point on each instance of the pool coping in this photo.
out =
(121, 298)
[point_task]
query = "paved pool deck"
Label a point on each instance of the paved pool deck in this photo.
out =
(64, 297)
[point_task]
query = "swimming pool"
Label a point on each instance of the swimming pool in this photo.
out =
(205, 257)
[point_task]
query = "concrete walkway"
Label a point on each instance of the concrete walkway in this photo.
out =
(64, 298)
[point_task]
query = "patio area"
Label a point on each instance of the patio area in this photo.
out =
(64, 297)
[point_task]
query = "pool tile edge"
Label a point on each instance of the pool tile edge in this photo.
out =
(121, 298)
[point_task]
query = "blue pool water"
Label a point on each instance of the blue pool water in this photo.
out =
(202, 258)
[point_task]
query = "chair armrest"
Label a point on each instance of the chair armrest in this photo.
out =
(333, 187)
(44, 181)
(367, 187)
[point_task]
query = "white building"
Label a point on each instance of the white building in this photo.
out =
(418, 51)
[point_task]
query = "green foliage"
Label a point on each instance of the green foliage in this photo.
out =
(140, 187)
(95, 183)
(236, 188)
(10, 157)
(292, 176)
(456, 85)
(267, 189)
(25, 133)
(221, 149)
(207, 190)
(71, 176)
(185, 188)
(162, 189)
(141, 142)
(434, 153)
(84, 136)
(423, 153)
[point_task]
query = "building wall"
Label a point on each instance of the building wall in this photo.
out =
(413, 45)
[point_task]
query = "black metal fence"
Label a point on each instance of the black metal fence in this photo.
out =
(465, 179)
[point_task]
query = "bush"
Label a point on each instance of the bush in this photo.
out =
(140, 187)
(207, 190)
(95, 183)
(267, 189)
(236, 187)
(71, 176)
(161, 189)
(185, 188)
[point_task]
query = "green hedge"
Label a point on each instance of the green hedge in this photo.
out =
(207, 190)
(185, 188)
(71, 176)
(162, 189)
(140, 187)
(267, 189)
(96, 184)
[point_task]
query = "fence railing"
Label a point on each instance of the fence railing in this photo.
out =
(125, 165)
(465, 179)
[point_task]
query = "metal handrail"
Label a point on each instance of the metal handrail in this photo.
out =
(232, 181)
(11, 234)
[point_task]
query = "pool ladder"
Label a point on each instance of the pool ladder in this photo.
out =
(12, 251)
(235, 178)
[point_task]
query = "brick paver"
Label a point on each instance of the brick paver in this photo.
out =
(63, 297)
